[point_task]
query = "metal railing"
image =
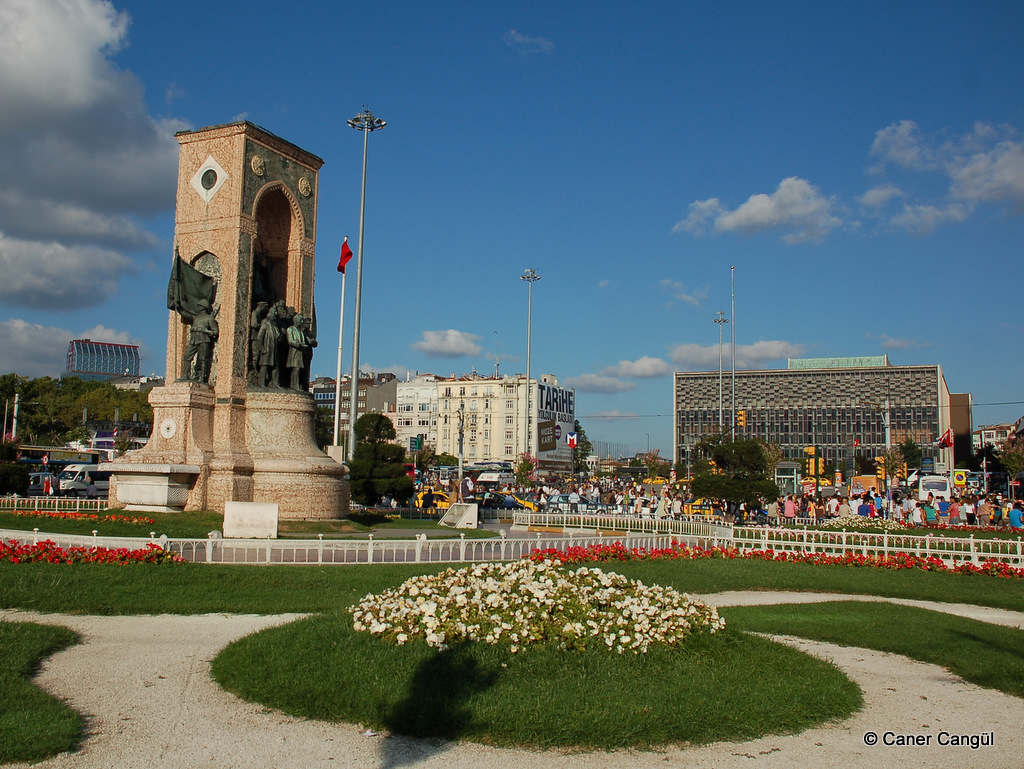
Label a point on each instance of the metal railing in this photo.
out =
(333, 551)
(420, 549)
(948, 549)
(53, 504)
(688, 526)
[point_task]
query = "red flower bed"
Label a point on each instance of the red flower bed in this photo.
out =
(619, 552)
(70, 516)
(46, 551)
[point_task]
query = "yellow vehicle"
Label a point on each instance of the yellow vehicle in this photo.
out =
(526, 502)
(698, 507)
(441, 499)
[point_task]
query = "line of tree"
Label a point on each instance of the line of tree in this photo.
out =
(50, 410)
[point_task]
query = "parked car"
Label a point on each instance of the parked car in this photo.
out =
(559, 503)
(441, 499)
(37, 484)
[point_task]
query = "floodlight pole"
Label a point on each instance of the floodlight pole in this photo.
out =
(719, 320)
(365, 122)
(732, 271)
(531, 277)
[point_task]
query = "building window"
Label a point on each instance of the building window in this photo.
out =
(510, 420)
(510, 404)
(508, 435)
(508, 451)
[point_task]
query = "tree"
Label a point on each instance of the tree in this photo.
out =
(740, 475)
(584, 448)
(773, 454)
(911, 454)
(1012, 457)
(655, 465)
(377, 467)
(447, 460)
(526, 469)
(323, 426)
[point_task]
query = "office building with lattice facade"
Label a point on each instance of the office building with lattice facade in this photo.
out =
(844, 406)
(102, 360)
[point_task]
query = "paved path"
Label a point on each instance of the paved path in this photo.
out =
(144, 685)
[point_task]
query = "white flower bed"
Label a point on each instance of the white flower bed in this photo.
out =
(526, 602)
(863, 522)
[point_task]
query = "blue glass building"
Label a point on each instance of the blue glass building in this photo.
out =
(102, 360)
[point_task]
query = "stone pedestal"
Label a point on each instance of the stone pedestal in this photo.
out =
(152, 488)
(288, 467)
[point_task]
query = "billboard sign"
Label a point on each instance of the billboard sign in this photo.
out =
(556, 416)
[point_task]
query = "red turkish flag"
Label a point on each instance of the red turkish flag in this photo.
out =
(346, 255)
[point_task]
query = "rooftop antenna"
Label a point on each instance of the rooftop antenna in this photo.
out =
(497, 367)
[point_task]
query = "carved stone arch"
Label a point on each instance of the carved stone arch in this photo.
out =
(277, 246)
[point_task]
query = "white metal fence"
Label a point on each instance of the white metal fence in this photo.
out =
(948, 549)
(342, 551)
(53, 504)
(462, 550)
(697, 526)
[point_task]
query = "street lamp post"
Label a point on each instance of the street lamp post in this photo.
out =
(719, 320)
(531, 277)
(365, 122)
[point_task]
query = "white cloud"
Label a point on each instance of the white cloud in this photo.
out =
(702, 215)
(924, 219)
(692, 297)
(448, 344)
(53, 276)
(695, 357)
(892, 343)
(525, 44)
(796, 208)
(596, 383)
(880, 196)
(984, 165)
(642, 368)
(995, 174)
(901, 144)
(82, 156)
(32, 350)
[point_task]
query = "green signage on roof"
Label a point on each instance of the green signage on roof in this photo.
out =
(864, 361)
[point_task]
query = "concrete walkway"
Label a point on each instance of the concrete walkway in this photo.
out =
(145, 688)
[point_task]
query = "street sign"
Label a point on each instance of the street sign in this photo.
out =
(960, 478)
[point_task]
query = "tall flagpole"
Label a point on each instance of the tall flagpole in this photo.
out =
(732, 270)
(365, 122)
(341, 337)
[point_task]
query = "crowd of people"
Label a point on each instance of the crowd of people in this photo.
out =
(646, 500)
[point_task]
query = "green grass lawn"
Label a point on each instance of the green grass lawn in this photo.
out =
(33, 724)
(987, 655)
(980, 652)
(727, 686)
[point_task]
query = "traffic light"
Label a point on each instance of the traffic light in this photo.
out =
(880, 467)
(741, 418)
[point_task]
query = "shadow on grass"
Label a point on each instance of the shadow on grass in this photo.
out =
(437, 706)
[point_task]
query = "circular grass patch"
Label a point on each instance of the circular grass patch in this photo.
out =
(723, 687)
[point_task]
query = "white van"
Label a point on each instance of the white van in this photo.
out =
(493, 479)
(74, 481)
(936, 485)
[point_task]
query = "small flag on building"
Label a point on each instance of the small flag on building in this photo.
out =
(346, 256)
(947, 439)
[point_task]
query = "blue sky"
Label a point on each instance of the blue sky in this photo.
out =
(861, 167)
